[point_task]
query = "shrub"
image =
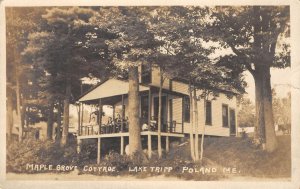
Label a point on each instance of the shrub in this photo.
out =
(38, 152)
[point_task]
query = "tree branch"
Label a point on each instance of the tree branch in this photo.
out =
(239, 53)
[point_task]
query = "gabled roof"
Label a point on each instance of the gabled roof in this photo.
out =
(109, 88)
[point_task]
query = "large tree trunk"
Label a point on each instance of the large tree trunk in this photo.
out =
(196, 126)
(192, 144)
(159, 149)
(65, 132)
(133, 109)
(9, 116)
(264, 129)
(50, 120)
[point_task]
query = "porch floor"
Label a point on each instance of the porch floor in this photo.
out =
(111, 135)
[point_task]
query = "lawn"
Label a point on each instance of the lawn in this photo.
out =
(219, 152)
(251, 161)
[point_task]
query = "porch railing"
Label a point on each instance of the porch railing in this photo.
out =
(170, 127)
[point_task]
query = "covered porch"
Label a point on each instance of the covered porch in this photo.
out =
(115, 94)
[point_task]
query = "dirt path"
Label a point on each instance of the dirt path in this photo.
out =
(73, 176)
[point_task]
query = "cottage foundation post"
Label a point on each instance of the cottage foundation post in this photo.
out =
(167, 144)
(78, 146)
(99, 151)
(122, 146)
(149, 146)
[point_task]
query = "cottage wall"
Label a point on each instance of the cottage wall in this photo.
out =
(216, 128)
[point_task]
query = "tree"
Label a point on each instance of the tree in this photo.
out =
(68, 49)
(206, 77)
(256, 34)
(162, 23)
(129, 49)
(19, 23)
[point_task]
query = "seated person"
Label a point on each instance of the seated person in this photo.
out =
(144, 127)
(118, 119)
(109, 125)
(153, 124)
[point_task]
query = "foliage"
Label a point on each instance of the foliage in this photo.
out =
(240, 29)
(282, 111)
(38, 152)
(257, 37)
(65, 48)
(246, 114)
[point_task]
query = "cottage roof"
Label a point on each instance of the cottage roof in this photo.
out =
(109, 88)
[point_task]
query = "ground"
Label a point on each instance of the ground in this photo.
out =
(238, 154)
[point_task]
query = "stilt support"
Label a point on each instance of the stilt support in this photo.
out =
(149, 146)
(99, 151)
(78, 146)
(167, 144)
(122, 146)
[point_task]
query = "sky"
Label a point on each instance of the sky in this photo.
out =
(280, 81)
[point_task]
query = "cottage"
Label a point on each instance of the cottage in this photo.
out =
(219, 119)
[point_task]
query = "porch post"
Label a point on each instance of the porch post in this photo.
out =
(172, 127)
(149, 122)
(114, 110)
(122, 146)
(100, 115)
(98, 150)
(149, 107)
(183, 113)
(79, 113)
(167, 144)
(82, 110)
(122, 115)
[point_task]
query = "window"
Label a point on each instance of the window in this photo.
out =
(208, 117)
(146, 74)
(186, 106)
(225, 115)
(232, 121)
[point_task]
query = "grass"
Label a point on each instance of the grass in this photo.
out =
(219, 152)
(251, 161)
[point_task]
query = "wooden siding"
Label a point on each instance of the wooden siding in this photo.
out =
(155, 79)
(180, 87)
(216, 129)
(177, 113)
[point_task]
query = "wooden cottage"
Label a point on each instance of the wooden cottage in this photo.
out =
(219, 119)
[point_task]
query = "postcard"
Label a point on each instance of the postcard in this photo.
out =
(143, 94)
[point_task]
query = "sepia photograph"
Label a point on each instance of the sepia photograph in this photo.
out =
(148, 93)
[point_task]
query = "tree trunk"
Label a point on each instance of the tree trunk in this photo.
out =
(58, 128)
(196, 126)
(264, 129)
(9, 117)
(192, 147)
(27, 116)
(133, 109)
(65, 132)
(203, 131)
(159, 149)
(18, 94)
(50, 120)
